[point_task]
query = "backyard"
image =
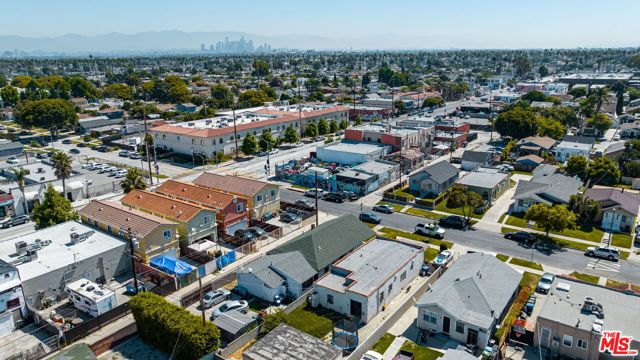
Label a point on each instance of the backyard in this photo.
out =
(316, 322)
(383, 344)
(421, 352)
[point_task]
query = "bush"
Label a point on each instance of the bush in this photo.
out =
(163, 324)
(514, 312)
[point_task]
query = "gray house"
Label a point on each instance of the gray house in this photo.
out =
(545, 188)
(471, 160)
(434, 179)
(469, 299)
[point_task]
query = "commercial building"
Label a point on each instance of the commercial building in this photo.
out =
(194, 221)
(154, 235)
(575, 315)
(469, 299)
(12, 305)
(595, 78)
(262, 197)
(350, 153)
(49, 259)
(368, 113)
(397, 138)
(363, 282)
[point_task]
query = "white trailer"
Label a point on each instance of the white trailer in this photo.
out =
(90, 297)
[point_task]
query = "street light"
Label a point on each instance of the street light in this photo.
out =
(613, 216)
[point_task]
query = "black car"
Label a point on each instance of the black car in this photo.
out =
(333, 197)
(74, 151)
(349, 195)
(17, 220)
(245, 234)
(289, 217)
(453, 221)
(258, 232)
(102, 148)
(41, 156)
(520, 236)
(81, 145)
(370, 218)
(66, 141)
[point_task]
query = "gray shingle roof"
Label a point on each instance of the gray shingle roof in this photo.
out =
(329, 241)
(615, 198)
(441, 171)
(476, 289)
(476, 156)
(271, 269)
(549, 189)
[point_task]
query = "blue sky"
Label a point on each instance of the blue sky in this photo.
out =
(464, 23)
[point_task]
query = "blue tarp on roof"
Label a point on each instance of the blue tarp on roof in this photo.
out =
(171, 265)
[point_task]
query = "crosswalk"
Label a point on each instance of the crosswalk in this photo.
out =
(603, 265)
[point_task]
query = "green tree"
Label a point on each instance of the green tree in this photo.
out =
(260, 68)
(603, 170)
(56, 86)
(178, 91)
(432, 101)
(118, 91)
(344, 124)
(291, 135)
(3, 80)
(55, 209)
(633, 93)
(19, 178)
(252, 98)
(521, 66)
(600, 97)
(461, 197)
(333, 126)
(21, 81)
(10, 96)
(366, 79)
(551, 218)
(46, 113)
(517, 123)
(267, 141)
(620, 104)
(551, 128)
(81, 87)
(311, 130)
(600, 122)
(585, 209)
(634, 61)
(565, 115)
(133, 181)
(534, 95)
(577, 165)
(221, 96)
(61, 163)
(543, 71)
(358, 121)
(323, 126)
(249, 145)
(578, 91)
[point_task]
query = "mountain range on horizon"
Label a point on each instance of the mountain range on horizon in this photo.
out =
(180, 41)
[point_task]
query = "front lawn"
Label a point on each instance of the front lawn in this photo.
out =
(502, 218)
(621, 240)
(424, 213)
(316, 322)
(395, 207)
(502, 257)
(516, 219)
(421, 352)
(301, 187)
(584, 232)
(383, 343)
(526, 263)
(393, 233)
(457, 211)
(429, 255)
(405, 192)
(593, 279)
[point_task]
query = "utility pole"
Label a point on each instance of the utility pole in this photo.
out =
(146, 143)
(300, 110)
(401, 160)
(201, 302)
(133, 261)
(316, 185)
(235, 132)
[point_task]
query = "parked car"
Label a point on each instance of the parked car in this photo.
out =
(443, 258)
(370, 218)
(215, 297)
(312, 193)
(289, 217)
(273, 151)
(372, 355)
(432, 230)
(244, 234)
(521, 236)
(349, 195)
(106, 169)
(298, 144)
(74, 151)
(88, 165)
(531, 303)
(120, 174)
(113, 172)
(123, 153)
(320, 138)
(387, 209)
(100, 167)
(41, 156)
(81, 145)
(102, 148)
(603, 252)
(66, 141)
(453, 221)
(505, 167)
(333, 197)
(258, 232)
(135, 156)
(305, 203)
(544, 285)
(16, 220)
(13, 160)
(240, 305)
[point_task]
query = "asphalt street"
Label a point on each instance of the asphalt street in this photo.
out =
(493, 242)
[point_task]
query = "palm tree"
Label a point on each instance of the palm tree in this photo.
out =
(600, 97)
(133, 181)
(20, 175)
(62, 169)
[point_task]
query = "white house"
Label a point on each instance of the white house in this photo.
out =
(363, 282)
(566, 149)
(12, 306)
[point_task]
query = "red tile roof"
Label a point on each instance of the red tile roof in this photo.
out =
(231, 184)
(158, 204)
(197, 194)
(119, 216)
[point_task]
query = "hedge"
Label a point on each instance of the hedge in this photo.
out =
(173, 329)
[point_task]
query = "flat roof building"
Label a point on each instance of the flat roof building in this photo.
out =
(350, 153)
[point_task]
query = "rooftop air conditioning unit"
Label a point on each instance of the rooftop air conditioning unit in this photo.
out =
(21, 247)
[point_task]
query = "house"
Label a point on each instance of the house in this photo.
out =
(488, 183)
(287, 343)
(12, 305)
(611, 149)
(194, 221)
(619, 208)
(528, 162)
(434, 179)
(550, 189)
(49, 259)
(567, 149)
(187, 108)
(233, 324)
(155, 235)
(365, 281)
(111, 113)
(573, 319)
(471, 160)
(535, 145)
(231, 210)
(544, 170)
(469, 299)
(262, 197)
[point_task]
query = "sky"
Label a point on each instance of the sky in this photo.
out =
(463, 23)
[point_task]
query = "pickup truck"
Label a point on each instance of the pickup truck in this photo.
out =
(431, 230)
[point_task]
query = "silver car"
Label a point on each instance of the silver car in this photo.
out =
(240, 305)
(544, 285)
(215, 297)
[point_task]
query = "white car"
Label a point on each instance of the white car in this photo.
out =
(88, 166)
(107, 169)
(603, 252)
(273, 152)
(100, 167)
(13, 160)
(443, 258)
(215, 297)
(120, 173)
(372, 355)
(240, 305)
(430, 229)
